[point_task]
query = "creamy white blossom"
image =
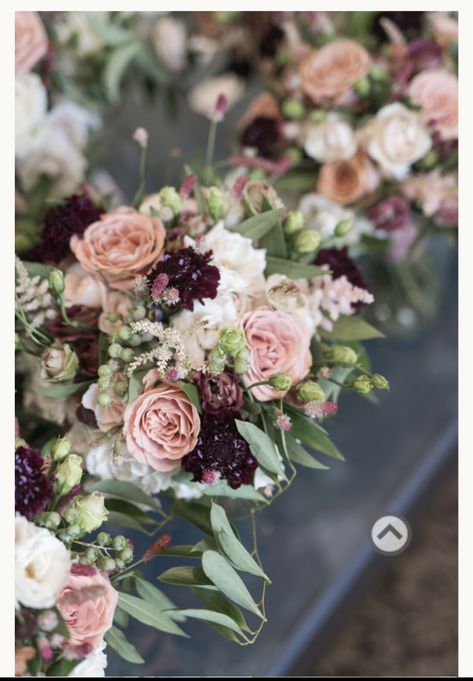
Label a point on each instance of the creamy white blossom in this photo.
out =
(331, 140)
(82, 288)
(169, 39)
(31, 102)
(323, 215)
(92, 666)
(42, 565)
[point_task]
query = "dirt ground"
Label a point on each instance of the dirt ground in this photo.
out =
(407, 624)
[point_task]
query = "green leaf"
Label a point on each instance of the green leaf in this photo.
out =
(227, 580)
(311, 434)
(36, 269)
(148, 614)
(109, 33)
(213, 600)
(352, 328)
(299, 455)
(223, 489)
(125, 507)
(195, 513)
(262, 447)
(230, 545)
(292, 269)
(65, 390)
(125, 490)
(120, 58)
(257, 226)
(185, 576)
(153, 595)
(193, 395)
(135, 385)
(116, 639)
(62, 667)
(121, 617)
(183, 551)
(208, 616)
(123, 520)
(274, 242)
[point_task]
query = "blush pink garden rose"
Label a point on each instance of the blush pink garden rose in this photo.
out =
(161, 426)
(120, 246)
(87, 604)
(436, 91)
(327, 74)
(31, 42)
(279, 342)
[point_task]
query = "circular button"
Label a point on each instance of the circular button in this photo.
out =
(391, 535)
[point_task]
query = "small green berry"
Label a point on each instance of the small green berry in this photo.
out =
(104, 382)
(103, 539)
(119, 542)
(120, 388)
(105, 370)
(138, 312)
(124, 333)
(104, 400)
(126, 554)
(115, 350)
(127, 355)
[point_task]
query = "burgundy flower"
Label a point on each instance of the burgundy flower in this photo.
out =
(220, 392)
(190, 273)
(60, 223)
(340, 264)
(263, 133)
(86, 316)
(421, 54)
(87, 350)
(390, 214)
(33, 488)
(221, 451)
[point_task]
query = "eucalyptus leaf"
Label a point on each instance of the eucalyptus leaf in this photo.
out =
(147, 613)
(120, 58)
(292, 269)
(110, 34)
(123, 520)
(257, 226)
(223, 489)
(262, 447)
(117, 640)
(125, 507)
(186, 576)
(274, 242)
(299, 455)
(182, 551)
(227, 580)
(213, 600)
(59, 391)
(311, 434)
(135, 385)
(195, 513)
(35, 269)
(230, 545)
(352, 328)
(153, 595)
(207, 616)
(125, 490)
(193, 395)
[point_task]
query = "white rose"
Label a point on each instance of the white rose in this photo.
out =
(76, 121)
(92, 666)
(331, 140)
(203, 96)
(396, 138)
(169, 39)
(323, 215)
(42, 565)
(82, 288)
(31, 103)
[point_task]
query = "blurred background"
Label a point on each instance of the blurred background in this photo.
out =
(335, 607)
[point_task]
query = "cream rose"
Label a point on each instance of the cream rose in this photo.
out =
(327, 74)
(348, 181)
(396, 138)
(120, 246)
(279, 342)
(331, 140)
(436, 91)
(42, 565)
(31, 42)
(161, 426)
(82, 288)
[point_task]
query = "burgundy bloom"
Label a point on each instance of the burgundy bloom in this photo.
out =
(33, 488)
(220, 392)
(84, 340)
(340, 264)
(263, 133)
(60, 223)
(86, 416)
(222, 451)
(421, 54)
(190, 273)
(390, 214)
(87, 350)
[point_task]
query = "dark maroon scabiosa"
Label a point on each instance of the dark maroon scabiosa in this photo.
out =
(221, 453)
(189, 273)
(33, 488)
(72, 216)
(390, 214)
(220, 392)
(340, 264)
(263, 134)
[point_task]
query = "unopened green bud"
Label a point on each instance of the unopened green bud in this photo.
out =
(307, 241)
(293, 108)
(295, 155)
(362, 385)
(114, 365)
(91, 554)
(170, 198)
(280, 382)
(217, 361)
(104, 382)
(135, 340)
(429, 160)
(104, 400)
(124, 333)
(310, 391)
(241, 361)
(341, 354)
(119, 542)
(70, 515)
(105, 371)
(74, 531)
(56, 281)
(115, 350)
(231, 340)
(343, 227)
(106, 564)
(61, 448)
(68, 474)
(120, 563)
(52, 520)
(294, 222)
(362, 86)
(380, 382)
(91, 511)
(59, 364)
(103, 539)
(216, 203)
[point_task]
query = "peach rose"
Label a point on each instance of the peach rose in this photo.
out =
(279, 342)
(22, 656)
(31, 42)
(106, 417)
(87, 615)
(347, 181)
(329, 73)
(161, 426)
(120, 246)
(436, 91)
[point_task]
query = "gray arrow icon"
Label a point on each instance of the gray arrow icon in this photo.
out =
(391, 535)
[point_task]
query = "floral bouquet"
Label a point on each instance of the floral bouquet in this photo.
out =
(363, 108)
